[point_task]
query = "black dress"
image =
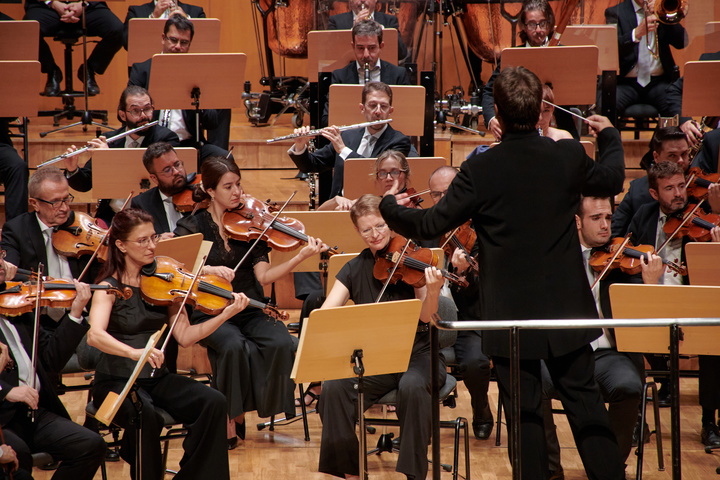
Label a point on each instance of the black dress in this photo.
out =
(251, 355)
(199, 408)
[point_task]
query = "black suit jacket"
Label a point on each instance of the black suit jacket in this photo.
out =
(151, 202)
(523, 248)
(344, 21)
(82, 179)
(675, 90)
(623, 15)
(707, 157)
(146, 9)
(637, 195)
(209, 119)
(54, 351)
(326, 158)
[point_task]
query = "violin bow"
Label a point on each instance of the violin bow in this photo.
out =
(277, 214)
(102, 240)
(682, 224)
(417, 194)
(452, 234)
(182, 307)
(394, 269)
(36, 334)
(689, 180)
(609, 264)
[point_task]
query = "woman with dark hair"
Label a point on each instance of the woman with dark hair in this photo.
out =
(120, 328)
(251, 355)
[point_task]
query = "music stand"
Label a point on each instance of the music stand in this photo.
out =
(667, 301)
(712, 37)
(199, 80)
(602, 36)
(571, 86)
(184, 249)
(18, 81)
(330, 50)
(408, 100)
(344, 342)
(119, 171)
(10, 34)
(143, 34)
(704, 102)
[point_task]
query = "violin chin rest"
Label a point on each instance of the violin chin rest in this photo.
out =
(150, 269)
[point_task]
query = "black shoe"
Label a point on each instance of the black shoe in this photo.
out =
(92, 86)
(233, 442)
(482, 429)
(709, 435)
(558, 474)
(240, 429)
(664, 397)
(636, 434)
(52, 87)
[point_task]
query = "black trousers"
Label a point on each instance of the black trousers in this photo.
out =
(572, 375)
(474, 366)
(629, 92)
(80, 450)
(709, 382)
(101, 22)
(200, 408)
(14, 175)
(338, 411)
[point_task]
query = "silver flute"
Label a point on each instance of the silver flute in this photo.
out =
(342, 128)
(86, 148)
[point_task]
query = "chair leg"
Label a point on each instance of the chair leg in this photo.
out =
(499, 421)
(658, 430)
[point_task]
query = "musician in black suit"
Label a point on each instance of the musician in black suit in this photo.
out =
(644, 78)
(668, 144)
(177, 38)
(532, 217)
(376, 105)
(707, 158)
(79, 450)
(13, 174)
(101, 22)
(363, 10)
(160, 9)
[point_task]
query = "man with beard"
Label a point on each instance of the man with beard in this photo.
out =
(134, 110)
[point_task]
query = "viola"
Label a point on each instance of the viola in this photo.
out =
(412, 264)
(80, 235)
(629, 260)
(20, 297)
(463, 238)
(697, 227)
(248, 221)
(183, 200)
(415, 197)
(701, 181)
(165, 281)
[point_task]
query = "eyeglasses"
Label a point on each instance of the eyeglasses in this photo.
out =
(394, 174)
(147, 111)
(534, 25)
(167, 171)
(177, 41)
(435, 195)
(145, 241)
(384, 107)
(56, 204)
(369, 232)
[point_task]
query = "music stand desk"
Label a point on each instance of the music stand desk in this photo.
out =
(602, 36)
(145, 34)
(19, 80)
(703, 263)
(330, 50)
(700, 96)
(185, 249)
(408, 102)
(572, 71)
(712, 37)
(19, 40)
(118, 171)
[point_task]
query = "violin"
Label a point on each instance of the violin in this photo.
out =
(183, 200)
(21, 297)
(80, 235)
(165, 281)
(463, 238)
(629, 260)
(248, 221)
(413, 263)
(700, 182)
(414, 197)
(697, 227)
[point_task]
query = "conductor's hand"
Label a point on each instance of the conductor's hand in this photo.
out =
(4, 356)
(692, 132)
(82, 297)
(23, 394)
(433, 281)
(240, 303)
(494, 127)
(652, 269)
(225, 272)
(597, 124)
(313, 247)
(332, 133)
(9, 457)
(301, 142)
(155, 359)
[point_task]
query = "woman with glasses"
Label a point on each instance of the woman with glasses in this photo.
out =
(251, 355)
(120, 328)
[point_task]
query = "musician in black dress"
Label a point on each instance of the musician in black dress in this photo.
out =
(251, 355)
(120, 328)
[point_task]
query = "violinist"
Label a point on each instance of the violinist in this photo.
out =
(79, 450)
(251, 355)
(337, 408)
(474, 364)
(120, 328)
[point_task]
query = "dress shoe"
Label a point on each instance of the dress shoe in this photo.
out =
(664, 397)
(52, 87)
(709, 435)
(636, 434)
(240, 429)
(233, 442)
(558, 474)
(92, 86)
(482, 429)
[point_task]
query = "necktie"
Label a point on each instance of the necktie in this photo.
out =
(134, 144)
(366, 146)
(644, 57)
(53, 261)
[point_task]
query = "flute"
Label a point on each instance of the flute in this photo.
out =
(342, 128)
(86, 148)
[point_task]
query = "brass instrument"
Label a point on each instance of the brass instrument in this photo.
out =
(342, 128)
(668, 12)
